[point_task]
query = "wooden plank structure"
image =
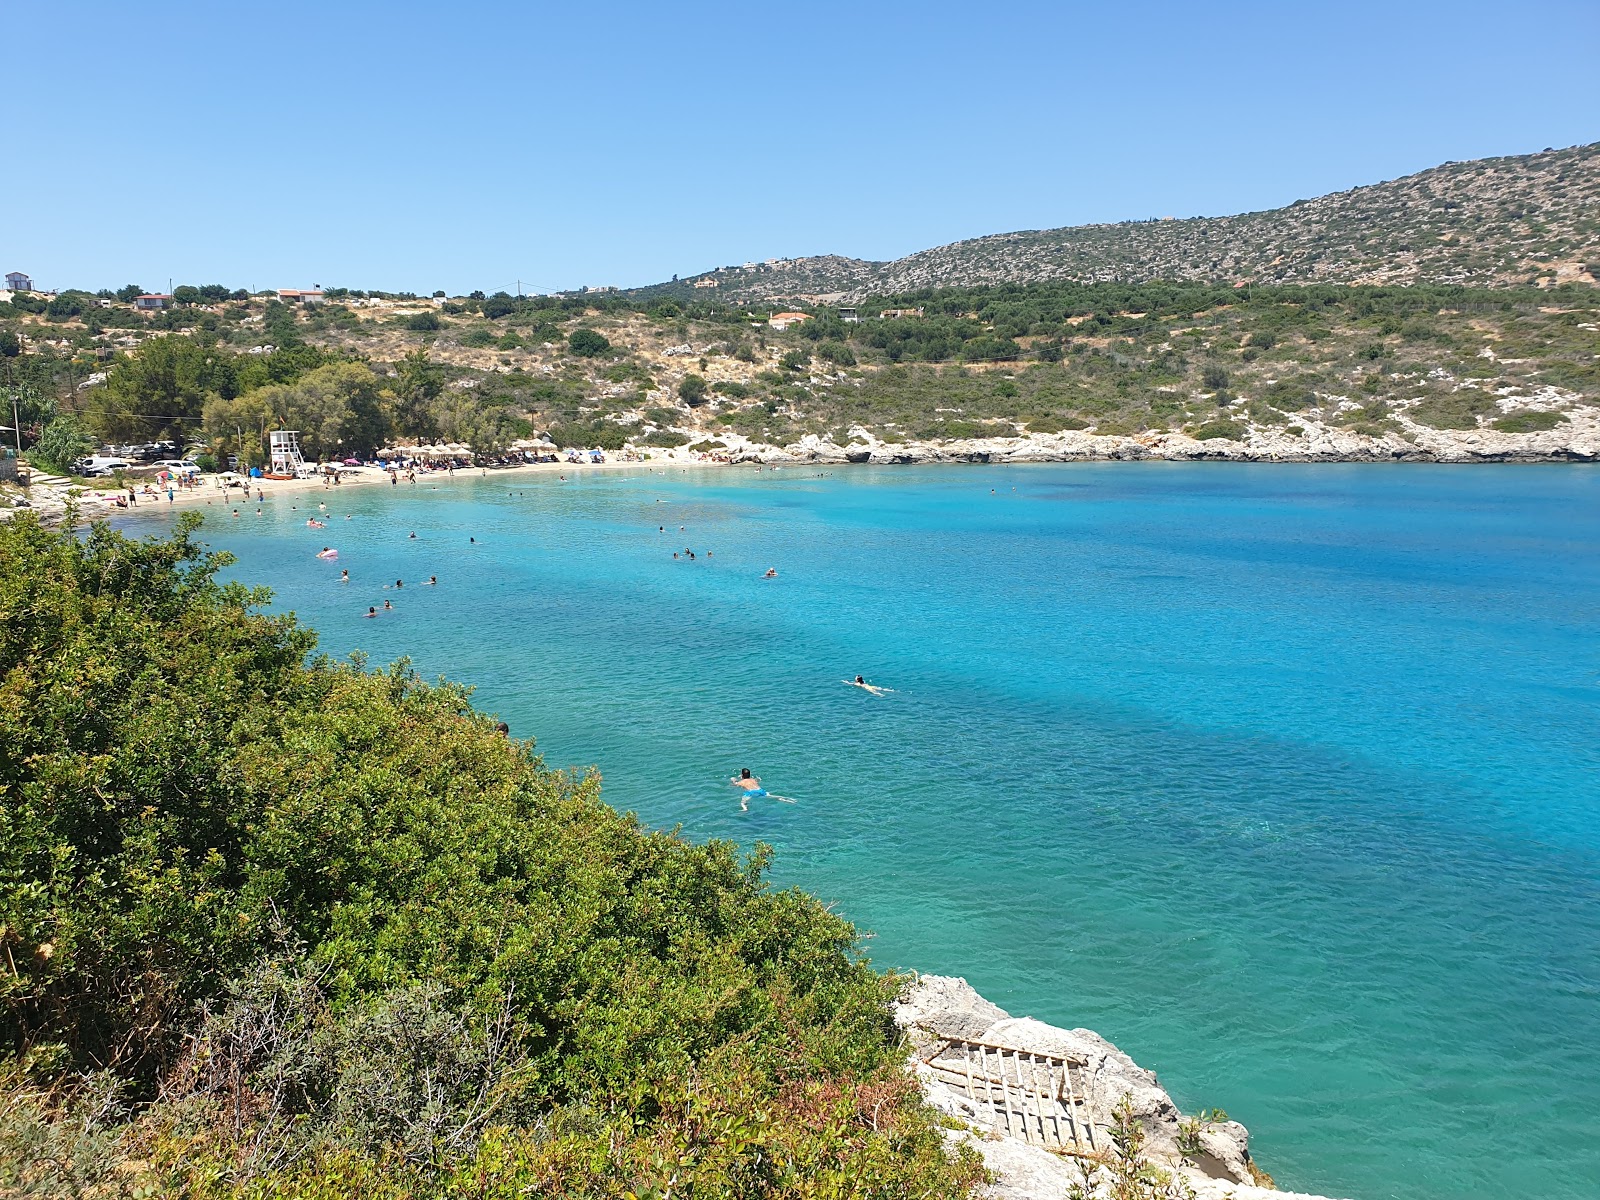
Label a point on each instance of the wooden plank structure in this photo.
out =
(1039, 1098)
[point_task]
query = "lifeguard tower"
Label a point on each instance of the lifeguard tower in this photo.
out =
(285, 460)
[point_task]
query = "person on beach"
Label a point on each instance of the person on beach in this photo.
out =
(750, 787)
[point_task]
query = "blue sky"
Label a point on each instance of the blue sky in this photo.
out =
(473, 144)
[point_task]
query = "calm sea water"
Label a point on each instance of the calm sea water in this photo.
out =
(1285, 779)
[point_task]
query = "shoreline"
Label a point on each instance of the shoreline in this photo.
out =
(51, 499)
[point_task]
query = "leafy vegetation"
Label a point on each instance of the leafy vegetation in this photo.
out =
(278, 925)
(1114, 359)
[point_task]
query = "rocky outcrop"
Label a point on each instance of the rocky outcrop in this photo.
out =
(1211, 1158)
(1577, 440)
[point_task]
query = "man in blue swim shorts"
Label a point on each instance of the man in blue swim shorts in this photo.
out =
(750, 787)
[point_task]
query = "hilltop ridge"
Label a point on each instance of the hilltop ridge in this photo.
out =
(1528, 219)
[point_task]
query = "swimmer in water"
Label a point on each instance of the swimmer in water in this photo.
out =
(750, 787)
(412, 536)
(861, 683)
(344, 575)
(371, 612)
(387, 607)
(398, 584)
(433, 581)
(772, 573)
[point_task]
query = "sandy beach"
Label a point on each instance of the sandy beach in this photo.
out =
(50, 500)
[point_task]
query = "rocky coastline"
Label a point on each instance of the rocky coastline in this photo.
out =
(1206, 1159)
(1577, 440)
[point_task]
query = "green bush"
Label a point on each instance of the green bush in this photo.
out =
(587, 343)
(1455, 410)
(1527, 420)
(1232, 430)
(423, 322)
(62, 443)
(692, 391)
(665, 438)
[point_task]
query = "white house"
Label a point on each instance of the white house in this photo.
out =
(296, 296)
(151, 303)
(16, 281)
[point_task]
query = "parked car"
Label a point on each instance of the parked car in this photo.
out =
(96, 465)
(178, 466)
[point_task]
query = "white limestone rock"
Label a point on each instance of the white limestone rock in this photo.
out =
(937, 1006)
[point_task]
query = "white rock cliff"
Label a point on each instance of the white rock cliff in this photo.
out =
(1219, 1167)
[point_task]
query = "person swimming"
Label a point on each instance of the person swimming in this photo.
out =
(750, 787)
(371, 611)
(344, 575)
(861, 683)
(433, 581)
(387, 607)
(412, 536)
(772, 573)
(398, 584)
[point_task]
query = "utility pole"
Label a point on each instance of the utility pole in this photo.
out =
(16, 421)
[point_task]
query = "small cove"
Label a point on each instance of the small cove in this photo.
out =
(1282, 778)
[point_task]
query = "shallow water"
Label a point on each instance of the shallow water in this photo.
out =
(1282, 778)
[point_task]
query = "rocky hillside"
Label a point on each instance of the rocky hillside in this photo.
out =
(1525, 219)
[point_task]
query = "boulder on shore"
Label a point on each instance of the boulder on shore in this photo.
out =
(1216, 1165)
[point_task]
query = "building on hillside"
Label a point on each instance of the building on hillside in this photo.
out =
(849, 316)
(707, 282)
(890, 314)
(783, 320)
(16, 281)
(296, 296)
(152, 303)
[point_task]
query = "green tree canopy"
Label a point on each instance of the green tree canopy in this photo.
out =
(692, 390)
(587, 343)
(62, 443)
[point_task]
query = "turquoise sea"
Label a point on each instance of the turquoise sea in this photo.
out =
(1284, 778)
